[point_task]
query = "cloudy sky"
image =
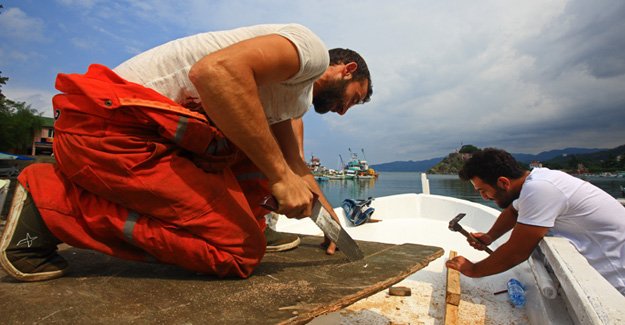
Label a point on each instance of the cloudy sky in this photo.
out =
(525, 76)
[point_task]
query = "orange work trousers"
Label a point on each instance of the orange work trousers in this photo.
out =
(127, 181)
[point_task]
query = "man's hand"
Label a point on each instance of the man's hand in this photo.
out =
(293, 195)
(483, 240)
(461, 264)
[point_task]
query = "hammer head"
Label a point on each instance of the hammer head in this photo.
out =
(453, 223)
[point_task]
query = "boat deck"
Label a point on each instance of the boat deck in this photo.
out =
(426, 305)
(288, 287)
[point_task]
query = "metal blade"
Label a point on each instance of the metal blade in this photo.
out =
(335, 232)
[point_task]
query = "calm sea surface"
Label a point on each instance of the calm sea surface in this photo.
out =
(389, 183)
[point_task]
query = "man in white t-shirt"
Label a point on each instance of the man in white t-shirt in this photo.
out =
(169, 155)
(539, 203)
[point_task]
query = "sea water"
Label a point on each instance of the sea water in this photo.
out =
(390, 183)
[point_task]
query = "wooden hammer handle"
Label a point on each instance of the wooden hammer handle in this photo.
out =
(488, 250)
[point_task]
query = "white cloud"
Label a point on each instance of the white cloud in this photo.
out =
(83, 43)
(19, 57)
(83, 4)
(462, 73)
(39, 99)
(16, 24)
(526, 75)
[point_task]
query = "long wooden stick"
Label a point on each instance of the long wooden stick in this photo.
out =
(452, 296)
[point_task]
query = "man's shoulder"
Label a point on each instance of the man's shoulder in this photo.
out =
(262, 29)
(546, 174)
(541, 183)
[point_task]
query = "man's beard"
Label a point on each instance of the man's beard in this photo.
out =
(502, 199)
(329, 96)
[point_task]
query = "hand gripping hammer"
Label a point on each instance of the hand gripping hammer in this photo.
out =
(455, 226)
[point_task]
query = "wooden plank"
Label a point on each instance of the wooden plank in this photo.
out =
(451, 314)
(289, 287)
(399, 291)
(452, 296)
(453, 284)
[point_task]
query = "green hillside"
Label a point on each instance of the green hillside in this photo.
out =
(449, 165)
(611, 160)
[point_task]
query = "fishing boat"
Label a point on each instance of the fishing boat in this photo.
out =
(321, 178)
(359, 167)
(560, 286)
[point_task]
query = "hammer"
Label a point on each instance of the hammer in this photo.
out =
(455, 226)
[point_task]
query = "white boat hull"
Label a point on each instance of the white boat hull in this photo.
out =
(423, 219)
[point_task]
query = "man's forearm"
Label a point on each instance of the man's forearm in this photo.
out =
(231, 101)
(523, 240)
(502, 259)
(504, 223)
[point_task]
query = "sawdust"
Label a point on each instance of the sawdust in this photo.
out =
(300, 290)
(426, 305)
(419, 308)
(471, 313)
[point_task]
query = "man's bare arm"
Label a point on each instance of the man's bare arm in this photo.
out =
(227, 82)
(290, 138)
(503, 224)
(523, 240)
(298, 128)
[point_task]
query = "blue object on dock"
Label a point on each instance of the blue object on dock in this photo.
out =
(516, 293)
(358, 212)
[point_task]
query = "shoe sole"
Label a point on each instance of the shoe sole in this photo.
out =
(9, 229)
(283, 247)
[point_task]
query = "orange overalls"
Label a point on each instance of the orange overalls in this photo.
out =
(127, 184)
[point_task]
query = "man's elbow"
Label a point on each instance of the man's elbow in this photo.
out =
(200, 72)
(211, 68)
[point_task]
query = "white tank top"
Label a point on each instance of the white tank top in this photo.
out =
(165, 68)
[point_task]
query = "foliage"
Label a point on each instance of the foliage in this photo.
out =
(611, 160)
(468, 148)
(449, 165)
(3, 81)
(18, 122)
(454, 161)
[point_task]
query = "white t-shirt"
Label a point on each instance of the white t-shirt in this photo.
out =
(590, 218)
(165, 68)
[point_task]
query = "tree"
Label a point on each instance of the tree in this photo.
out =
(3, 81)
(468, 148)
(18, 122)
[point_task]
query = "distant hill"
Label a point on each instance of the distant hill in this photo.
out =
(407, 166)
(449, 165)
(599, 161)
(426, 165)
(547, 155)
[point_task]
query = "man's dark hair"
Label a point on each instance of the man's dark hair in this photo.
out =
(489, 164)
(344, 56)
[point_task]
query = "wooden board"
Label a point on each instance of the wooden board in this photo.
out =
(451, 314)
(288, 287)
(452, 295)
